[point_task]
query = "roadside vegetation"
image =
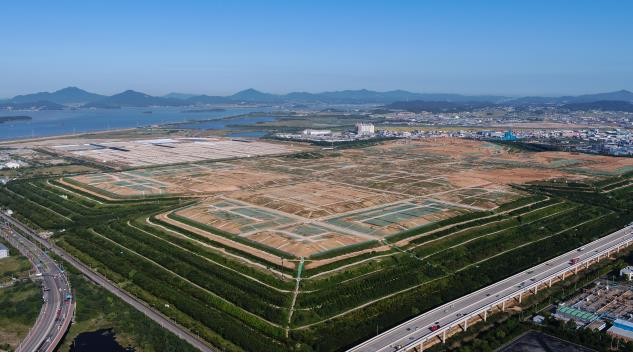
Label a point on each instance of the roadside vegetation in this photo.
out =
(98, 309)
(20, 305)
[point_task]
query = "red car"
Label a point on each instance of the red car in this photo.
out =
(434, 327)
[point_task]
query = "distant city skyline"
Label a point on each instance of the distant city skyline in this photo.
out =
(508, 48)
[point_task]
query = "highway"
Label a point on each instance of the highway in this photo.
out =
(136, 303)
(438, 323)
(57, 311)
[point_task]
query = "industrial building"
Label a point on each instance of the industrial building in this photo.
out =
(313, 132)
(621, 329)
(4, 251)
(577, 315)
(364, 129)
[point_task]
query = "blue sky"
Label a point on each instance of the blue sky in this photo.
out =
(219, 47)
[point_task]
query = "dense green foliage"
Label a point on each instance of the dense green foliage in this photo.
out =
(95, 303)
(20, 303)
(207, 286)
(345, 249)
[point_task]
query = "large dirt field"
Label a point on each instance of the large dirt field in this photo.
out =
(190, 179)
(143, 153)
(315, 199)
(304, 206)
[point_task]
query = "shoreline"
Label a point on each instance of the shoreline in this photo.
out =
(39, 138)
(164, 126)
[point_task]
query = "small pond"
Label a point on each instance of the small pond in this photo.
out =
(103, 340)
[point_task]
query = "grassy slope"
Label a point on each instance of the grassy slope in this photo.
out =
(13, 266)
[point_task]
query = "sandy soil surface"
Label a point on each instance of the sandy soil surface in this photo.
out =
(251, 250)
(265, 198)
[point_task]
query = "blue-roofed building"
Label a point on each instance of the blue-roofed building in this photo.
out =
(509, 136)
(623, 324)
(621, 329)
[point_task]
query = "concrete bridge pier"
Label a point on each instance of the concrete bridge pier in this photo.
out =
(520, 296)
(419, 347)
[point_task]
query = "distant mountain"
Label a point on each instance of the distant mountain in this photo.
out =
(66, 96)
(131, 98)
(602, 105)
(206, 100)
(369, 96)
(36, 105)
(365, 96)
(533, 100)
(252, 95)
(181, 96)
(73, 95)
(437, 106)
(620, 95)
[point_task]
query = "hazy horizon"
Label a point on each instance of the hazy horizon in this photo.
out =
(547, 48)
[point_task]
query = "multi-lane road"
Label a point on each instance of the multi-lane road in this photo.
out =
(136, 303)
(57, 311)
(437, 323)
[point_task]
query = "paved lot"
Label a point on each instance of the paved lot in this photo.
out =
(534, 341)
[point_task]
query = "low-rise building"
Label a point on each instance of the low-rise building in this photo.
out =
(4, 251)
(621, 329)
(579, 316)
(596, 325)
(313, 132)
(627, 272)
